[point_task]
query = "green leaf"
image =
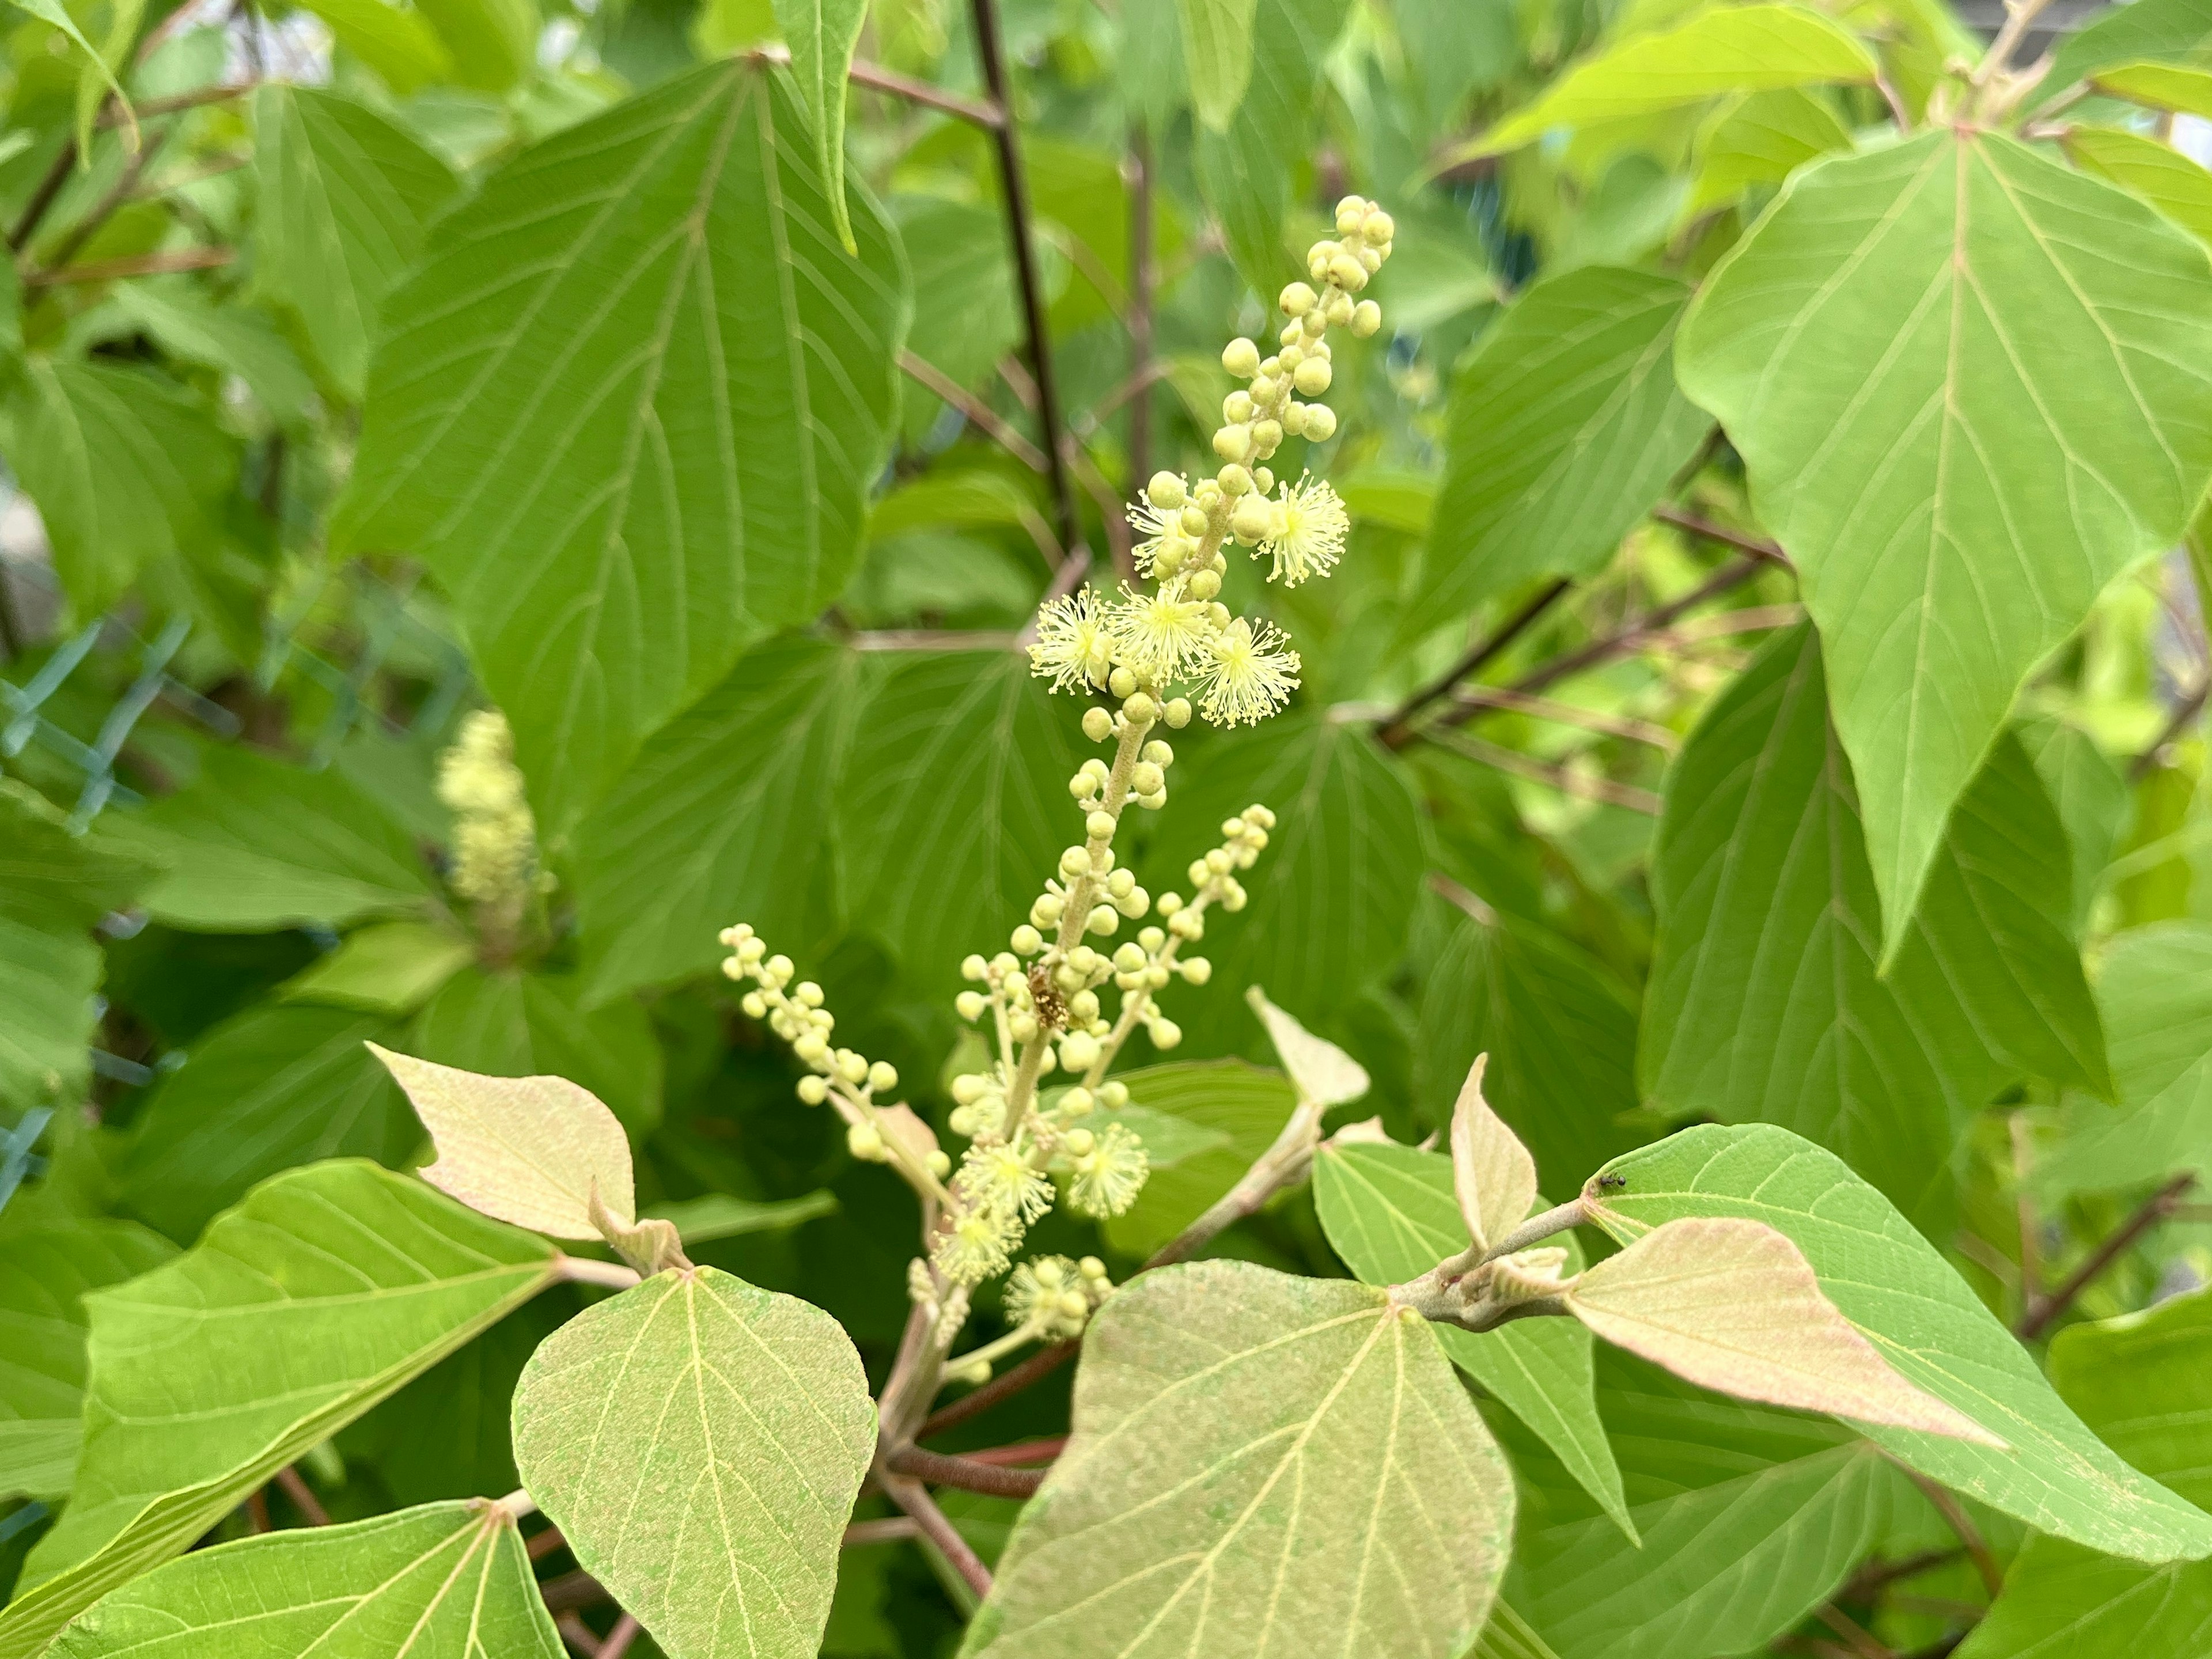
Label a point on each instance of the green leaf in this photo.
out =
(234, 339)
(1217, 48)
(54, 885)
(1244, 168)
(54, 12)
(1565, 427)
(1764, 1003)
(1259, 1464)
(509, 1024)
(445, 1579)
(1756, 48)
(633, 433)
(1560, 1032)
(127, 470)
(1239, 1107)
(1332, 893)
(1965, 381)
(2157, 86)
(388, 968)
(1390, 1212)
(717, 1215)
(2139, 1382)
(400, 45)
(322, 1293)
(964, 280)
(255, 844)
(1749, 1518)
(1908, 1302)
(719, 820)
(2091, 795)
(45, 1272)
(954, 805)
(277, 1086)
(821, 34)
(2171, 182)
(493, 44)
(1761, 139)
(700, 1443)
(343, 197)
(2172, 30)
(2155, 989)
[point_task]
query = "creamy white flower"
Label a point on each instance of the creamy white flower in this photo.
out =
(1311, 525)
(1109, 1177)
(1160, 636)
(1075, 647)
(1249, 674)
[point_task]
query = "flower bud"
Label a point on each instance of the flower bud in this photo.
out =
(1085, 960)
(1232, 443)
(1026, 940)
(811, 1049)
(1320, 423)
(1203, 585)
(1077, 1050)
(1296, 299)
(755, 1004)
(1082, 786)
(813, 1090)
(1022, 1025)
(1165, 1033)
(1113, 1096)
(1294, 419)
(1080, 1142)
(1139, 710)
(1197, 969)
(1083, 1007)
(1177, 713)
(1313, 377)
(1121, 883)
(1165, 491)
(1120, 682)
(865, 1142)
(1370, 260)
(1078, 1103)
(1236, 406)
(1267, 439)
(1241, 358)
(1348, 273)
(975, 969)
(779, 970)
(1074, 862)
(1318, 257)
(1264, 390)
(1234, 481)
(1130, 956)
(970, 1005)
(940, 1165)
(1104, 920)
(1338, 310)
(1350, 214)
(1099, 826)
(1250, 521)
(1378, 228)
(882, 1075)
(1098, 724)
(1194, 522)
(1152, 803)
(1047, 911)
(1261, 478)
(1366, 319)
(1146, 778)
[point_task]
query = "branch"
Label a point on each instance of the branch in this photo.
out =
(1563, 779)
(1636, 634)
(303, 1500)
(2154, 1209)
(138, 264)
(992, 118)
(1397, 730)
(619, 1638)
(1038, 1367)
(992, 52)
(1023, 1451)
(978, 413)
(583, 1270)
(965, 1474)
(1284, 1164)
(890, 1531)
(1743, 543)
(1955, 1517)
(1565, 713)
(913, 1498)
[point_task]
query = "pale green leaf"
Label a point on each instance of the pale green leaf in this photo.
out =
(1892, 1284)
(2176, 186)
(1217, 52)
(611, 549)
(343, 197)
(539, 1151)
(1390, 1212)
(719, 820)
(2155, 989)
(700, 1443)
(45, 1271)
(235, 339)
(54, 12)
(1756, 48)
(397, 43)
(445, 1579)
(1258, 1463)
(1493, 1177)
(128, 472)
(510, 1024)
(492, 43)
(276, 1086)
(2159, 86)
(718, 1215)
(2139, 1382)
(2175, 31)
(1761, 139)
(1334, 892)
(1565, 426)
(1764, 1002)
(821, 34)
(1967, 384)
(324, 1291)
(963, 281)
(955, 806)
(1733, 1305)
(1239, 1109)
(1560, 1032)
(1320, 1071)
(255, 844)
(2090, 793)
(388, 968)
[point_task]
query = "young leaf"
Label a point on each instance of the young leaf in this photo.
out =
(255, 844)
(1761, 139)
(1916, 351)
(611, 553)
(1733, 1306)
(322, 1293)
(45, 1272)
(1260, 1465)
(1228, 1113)
(2153, 30)
(2176, 186)
(388, 968)
(821, 34)
(1565, 426)
(443, 1578)
(1731, 49)
(535, 1151)
(344, 199)
(1390, 1213)
(1493, 1177)
(2156, 993)
(700, 1443)
(1216, 46)
(2139, 1382)
(1923, 1318)
(506, 1023)
(1321, 1072)
(2157, 86)
(720, 816)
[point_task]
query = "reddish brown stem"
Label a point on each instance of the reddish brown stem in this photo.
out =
(1008, 1384)
(1397, 730)
(303, 1498)
(913, 1498)
(2152, 1210)
(964, 1473)
(1026, 1451)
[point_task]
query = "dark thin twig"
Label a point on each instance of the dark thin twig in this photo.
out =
(570, 1590)
(303, 1500)
(1698, 524)
(989, 117)
(1727, 576)
(1038, 1366)
(1876, 1577)
(2152, 1210)
(120, 191)
(110, 116)
(619, 1638)
(1397, 730)
(1955, 1517)
(979, 413)
(34, 210)
(257, 1510)
(964, 1473)
(991, 49)
(577, 1634)
(1561, 778)
(913, 1498)
(2150, 760)
(1860, 1640)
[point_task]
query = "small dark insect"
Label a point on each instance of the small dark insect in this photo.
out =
(1607, 1182)
(1051, 1009)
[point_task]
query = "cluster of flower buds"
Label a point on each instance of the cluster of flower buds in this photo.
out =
(1054, 1297)
(495, 837)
